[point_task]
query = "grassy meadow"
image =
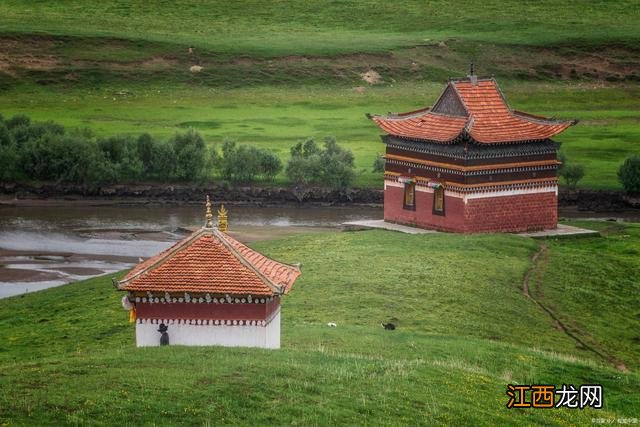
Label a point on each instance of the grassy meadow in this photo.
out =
(464, 331)
(277, 118)
(292, 70)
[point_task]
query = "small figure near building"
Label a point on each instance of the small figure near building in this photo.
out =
(470, 163)
(208, 289)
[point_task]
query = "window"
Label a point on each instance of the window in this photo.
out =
(438, 201)
(409, 196)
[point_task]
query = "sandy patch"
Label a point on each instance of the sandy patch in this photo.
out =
(372, 77)
(28, 62)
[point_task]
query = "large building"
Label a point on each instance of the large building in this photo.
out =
(470, 163)
(208, 289)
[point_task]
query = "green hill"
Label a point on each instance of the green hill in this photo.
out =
(465, 330)
(273, 74)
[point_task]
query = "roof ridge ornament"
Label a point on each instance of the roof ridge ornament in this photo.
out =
(208, 215)
(223, 224)
(472, 77)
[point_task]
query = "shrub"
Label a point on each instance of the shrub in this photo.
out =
(246, 163)
(629, 175)
(18, 120)
(163, 162)
(122, 153)
(562, 158)
(9, 163)
(66, 158)
(572, 174)
(378, 164)
(23, 131)
(269, 164)
(145, 147)
(6, 139)
(331, 166)
(190, 155)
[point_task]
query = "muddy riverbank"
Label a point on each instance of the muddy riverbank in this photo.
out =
(25, 194)
(180, 193)
(49, 242)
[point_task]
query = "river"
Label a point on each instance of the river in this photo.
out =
(46, 244)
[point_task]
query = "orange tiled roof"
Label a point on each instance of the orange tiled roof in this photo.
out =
(210, 261)
(484, 116)
(429, 125)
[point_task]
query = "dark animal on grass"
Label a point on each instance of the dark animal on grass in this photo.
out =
(389, 326)
(164, 339)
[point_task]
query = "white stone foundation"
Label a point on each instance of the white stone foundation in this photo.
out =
(268, 336)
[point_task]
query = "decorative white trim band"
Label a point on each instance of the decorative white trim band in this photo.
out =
(207, 299)
(494, 171)
(515, 192)
(205, 322)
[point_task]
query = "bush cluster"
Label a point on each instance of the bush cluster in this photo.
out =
(47, 152)
(330, 166)
(247, 164)
(571, 172)
(629, 175)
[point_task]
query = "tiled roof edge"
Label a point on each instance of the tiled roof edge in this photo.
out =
(223, 238)
(161, 260)
(543, 120)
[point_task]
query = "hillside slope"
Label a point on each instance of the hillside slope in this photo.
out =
(465, 330)
(274, 74)
(316, 27)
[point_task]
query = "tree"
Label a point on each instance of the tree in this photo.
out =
(246, 163)
(629, 175)
(122, 152)
(305, 165)
(269, 164)
(191, 155)
(66, 158)
(572, 174)
(145, 147)
(562, 158)
(378, 164)
(18, 120)
(9, 163)
(163, 162)
(331, 166)
(6, 140)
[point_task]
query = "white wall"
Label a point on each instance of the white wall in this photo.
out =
(200, 335)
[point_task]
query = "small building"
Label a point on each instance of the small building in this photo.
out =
(208, 289)
(470, 163)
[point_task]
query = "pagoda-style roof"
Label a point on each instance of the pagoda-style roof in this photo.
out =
(473, 107)
(211, 261)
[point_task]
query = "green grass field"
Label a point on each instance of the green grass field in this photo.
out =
(316, 27)
(465, 331)
(278, 118)
(288, 70)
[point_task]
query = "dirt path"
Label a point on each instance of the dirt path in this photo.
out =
(539, 262)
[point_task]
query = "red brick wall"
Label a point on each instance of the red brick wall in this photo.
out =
(206, 311)
(505, 214)
(523, 212)
(423, 216)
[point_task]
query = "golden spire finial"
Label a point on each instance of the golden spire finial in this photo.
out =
(222, 219)
(208, 215)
